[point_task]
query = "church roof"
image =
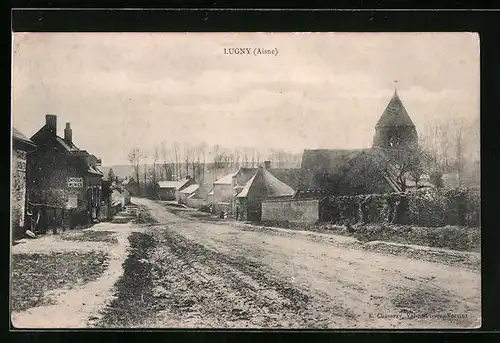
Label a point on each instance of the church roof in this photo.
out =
(332, 160)
(395, 114)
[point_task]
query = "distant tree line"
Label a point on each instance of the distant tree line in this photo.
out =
(174, 161)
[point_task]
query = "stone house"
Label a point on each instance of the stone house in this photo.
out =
(22, 149)
(66, 183)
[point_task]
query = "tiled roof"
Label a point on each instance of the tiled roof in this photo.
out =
(395, 114)
(94, 170)
(69, 147)
(273, 187)
(16, 134)
(172, 184)
(246, 188)
(331, 160)
(190, 189)
(225, 180)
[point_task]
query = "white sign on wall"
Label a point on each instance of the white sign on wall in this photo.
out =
(72, 201)
(75, 182)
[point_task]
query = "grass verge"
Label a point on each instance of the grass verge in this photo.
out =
(90, 236)
(448, 237)
(35, 274)
(134, 290)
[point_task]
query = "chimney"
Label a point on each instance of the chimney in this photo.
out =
(51, 123)
(68, 134)
(267, 164)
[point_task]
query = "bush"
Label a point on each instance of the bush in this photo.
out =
(374, 209)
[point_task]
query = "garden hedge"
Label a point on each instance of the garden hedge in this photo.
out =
(425, 207)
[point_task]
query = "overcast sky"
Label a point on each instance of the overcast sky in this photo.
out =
(322, 90)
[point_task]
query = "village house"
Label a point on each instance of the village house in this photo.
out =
(197, 200)
(66, 183)
(22, 149)
(187, 192)
(227, 187)
(170, 190)
(262, 186)
(243, 191)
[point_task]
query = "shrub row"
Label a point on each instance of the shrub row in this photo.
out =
(425, 207)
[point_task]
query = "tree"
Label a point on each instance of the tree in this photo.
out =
(459, 150)
(145, 174)
(168, 169)
(176, 147)
(404, 162)
(134, 158)
(111, 175)
(156, 156)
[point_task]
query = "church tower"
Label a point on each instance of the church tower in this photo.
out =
(395, 127)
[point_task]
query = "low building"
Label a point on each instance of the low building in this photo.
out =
(187, 192)
(22, 148)
(170, 190)
(66, 183)
(262, 186)
(227, 187)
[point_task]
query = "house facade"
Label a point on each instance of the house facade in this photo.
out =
(225, 189)
(22, 149)
(66, 183)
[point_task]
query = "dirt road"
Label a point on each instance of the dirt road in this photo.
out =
(168, 269)
(224, 274)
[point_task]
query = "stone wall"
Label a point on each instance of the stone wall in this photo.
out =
(18, 190)
(298, 211)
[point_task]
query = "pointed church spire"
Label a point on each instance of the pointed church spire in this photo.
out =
(395, 125)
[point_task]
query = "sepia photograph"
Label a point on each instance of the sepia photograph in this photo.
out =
(259, 180)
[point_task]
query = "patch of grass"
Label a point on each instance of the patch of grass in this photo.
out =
(90, 236)
(144, 216)
(134, 290)
(448, 237)
(35, 274)
(421, 300)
